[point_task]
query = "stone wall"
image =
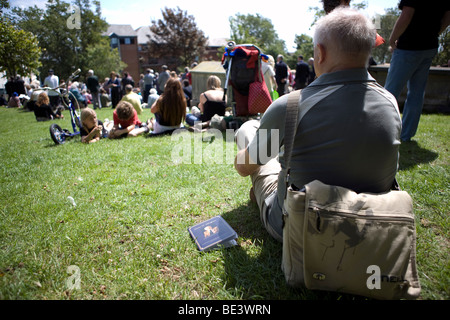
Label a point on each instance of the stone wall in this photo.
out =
(437, 92)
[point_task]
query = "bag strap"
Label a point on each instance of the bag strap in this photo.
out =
(295, 111)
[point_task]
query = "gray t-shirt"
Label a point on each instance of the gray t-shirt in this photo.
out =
(350, 138)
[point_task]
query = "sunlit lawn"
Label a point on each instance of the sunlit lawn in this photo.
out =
(127, 235)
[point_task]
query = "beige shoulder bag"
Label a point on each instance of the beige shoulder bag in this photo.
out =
(337, 240)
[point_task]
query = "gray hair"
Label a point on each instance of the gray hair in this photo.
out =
(347, 30)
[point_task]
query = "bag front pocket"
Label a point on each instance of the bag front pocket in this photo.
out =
(358, 253)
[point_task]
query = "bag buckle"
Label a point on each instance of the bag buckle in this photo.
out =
(287, 179)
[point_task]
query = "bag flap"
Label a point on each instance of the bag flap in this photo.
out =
(335, 198)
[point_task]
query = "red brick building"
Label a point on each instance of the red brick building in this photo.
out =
(124, 38)
(133, 50)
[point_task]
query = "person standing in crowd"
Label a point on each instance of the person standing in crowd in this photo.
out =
(267, 69)
(330, 5)
(149, 78)
(187, 75)
(414, 41)
(281, 75)
(301, 73)
(115, 90)
(94, 87)
(162, 79)
(126, 79)
(52, 81)
(9, 87)
(312, 72)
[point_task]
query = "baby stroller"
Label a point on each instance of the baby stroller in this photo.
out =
(243, 65)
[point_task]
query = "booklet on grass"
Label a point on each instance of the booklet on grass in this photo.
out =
(213, 233)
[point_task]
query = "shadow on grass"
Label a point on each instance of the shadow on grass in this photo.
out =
(412, 154)
(253, 268)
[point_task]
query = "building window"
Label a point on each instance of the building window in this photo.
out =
(114, 42)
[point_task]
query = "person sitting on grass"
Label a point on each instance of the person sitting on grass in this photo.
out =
(92, 130)
(152, 97)
(132, 98)
(350, 112)
(78, 100)
(170, 108)
(105, 99)
(126, 122)
(42, 109)
(211, 103)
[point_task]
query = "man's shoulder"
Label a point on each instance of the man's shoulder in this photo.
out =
(277, 108)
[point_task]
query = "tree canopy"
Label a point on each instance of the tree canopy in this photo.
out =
(64, 31)
(176, 36)
(19, 50)
(257, 30)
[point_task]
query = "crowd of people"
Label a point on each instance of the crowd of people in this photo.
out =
(350, 137)
(169, 95)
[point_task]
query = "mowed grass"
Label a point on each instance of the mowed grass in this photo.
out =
(128, 235)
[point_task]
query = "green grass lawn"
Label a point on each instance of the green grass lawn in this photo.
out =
(127, 235)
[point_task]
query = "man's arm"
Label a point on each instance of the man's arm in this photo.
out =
(400, 26)
(243, 164)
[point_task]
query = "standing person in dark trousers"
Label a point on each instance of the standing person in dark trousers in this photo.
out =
(281, 75)
(148, 83)
(414, 41)
(115, 89)
(127, 79)
(312, 71)
(94, 87)
(301, 73)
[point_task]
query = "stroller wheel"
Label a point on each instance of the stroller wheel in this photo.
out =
(57, 134)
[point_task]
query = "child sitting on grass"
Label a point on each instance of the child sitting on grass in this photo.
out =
(92, 130)
(43, 111)
(126, 122)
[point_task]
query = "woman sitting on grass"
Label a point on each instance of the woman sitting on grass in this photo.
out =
(170, 108)
(92, 130)
(43, 111)
(210, 103)
(126, 122)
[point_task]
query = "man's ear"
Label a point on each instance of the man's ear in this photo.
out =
(321, 53)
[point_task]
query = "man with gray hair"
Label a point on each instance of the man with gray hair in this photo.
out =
(94, 87)
(350, 137)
